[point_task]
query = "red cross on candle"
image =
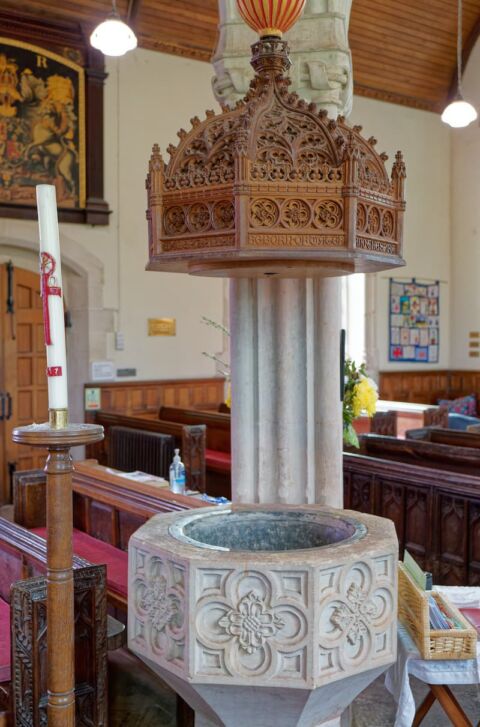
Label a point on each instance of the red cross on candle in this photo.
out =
(47, 269)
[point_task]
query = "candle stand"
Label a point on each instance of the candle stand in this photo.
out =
(58, 437)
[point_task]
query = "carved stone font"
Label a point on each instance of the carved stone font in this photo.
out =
(300, 617)
(273, 186)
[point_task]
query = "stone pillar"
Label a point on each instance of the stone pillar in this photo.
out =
(286, 409)
(321, 59)
(285, 343)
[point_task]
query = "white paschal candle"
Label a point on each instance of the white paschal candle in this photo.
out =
(52, 297)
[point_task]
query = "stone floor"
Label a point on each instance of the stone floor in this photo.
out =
(138, 699)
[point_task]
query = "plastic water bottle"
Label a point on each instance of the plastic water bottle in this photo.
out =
(177, 475)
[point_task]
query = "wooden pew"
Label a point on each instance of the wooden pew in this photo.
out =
(440, 435)
(190, 439)
(436, 511)
(459, 459)
(107, 508)
(218, 439)
(23, 554)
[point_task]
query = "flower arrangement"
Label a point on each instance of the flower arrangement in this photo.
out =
(360, 395)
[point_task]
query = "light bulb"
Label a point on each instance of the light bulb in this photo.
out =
(459, 113)
(113, 37)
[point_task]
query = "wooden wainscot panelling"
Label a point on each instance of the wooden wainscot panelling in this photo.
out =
(135, 397)
(453, 538)
(474, 555)
(436, 512)
(427, 387)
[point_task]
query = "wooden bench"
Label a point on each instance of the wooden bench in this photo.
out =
(218, 447)
(23, 668)
(108, 508)
(190, 439)
(436, 511)
(459, 459)
(442, 435)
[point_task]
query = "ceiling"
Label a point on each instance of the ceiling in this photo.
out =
(403, 51)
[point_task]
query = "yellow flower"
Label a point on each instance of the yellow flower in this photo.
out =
(365, 397)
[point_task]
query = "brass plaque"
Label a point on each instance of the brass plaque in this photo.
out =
(474, 344)
(474, 334)
(162, 327)
(474, 354)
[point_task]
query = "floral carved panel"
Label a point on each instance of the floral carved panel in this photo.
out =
(357, 616)
(297, 214)
(251, 624)
(158, 600)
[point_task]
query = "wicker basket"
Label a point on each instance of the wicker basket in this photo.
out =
(413, 613)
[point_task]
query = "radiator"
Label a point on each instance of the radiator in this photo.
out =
(135, 449)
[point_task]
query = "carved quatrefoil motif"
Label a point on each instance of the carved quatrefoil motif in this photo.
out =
(160, 605)
(252, 623)
(355, 615)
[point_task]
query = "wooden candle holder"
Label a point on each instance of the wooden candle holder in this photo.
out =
(60, 616)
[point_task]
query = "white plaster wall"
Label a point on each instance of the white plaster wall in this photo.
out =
(148, 97)
(466, 225)
(425, 142)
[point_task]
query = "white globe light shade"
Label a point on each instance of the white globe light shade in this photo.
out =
(113, 37)
(459, 114)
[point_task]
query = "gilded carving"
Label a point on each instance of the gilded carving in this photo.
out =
(328, 214)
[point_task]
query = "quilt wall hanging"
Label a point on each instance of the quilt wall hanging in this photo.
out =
(414, 321)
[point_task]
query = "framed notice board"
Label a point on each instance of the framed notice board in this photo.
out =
(414, 321)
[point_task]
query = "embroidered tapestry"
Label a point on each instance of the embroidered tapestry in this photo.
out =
(414, 321)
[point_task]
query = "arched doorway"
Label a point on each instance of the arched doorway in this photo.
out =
(83, 284)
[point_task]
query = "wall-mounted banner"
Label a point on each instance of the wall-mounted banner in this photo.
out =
(414, 321)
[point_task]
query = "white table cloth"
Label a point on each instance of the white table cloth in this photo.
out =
(409, 663)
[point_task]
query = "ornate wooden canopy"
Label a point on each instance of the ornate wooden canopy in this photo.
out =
(274, 187)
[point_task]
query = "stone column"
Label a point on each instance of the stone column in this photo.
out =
(286, 409)
(321, 59)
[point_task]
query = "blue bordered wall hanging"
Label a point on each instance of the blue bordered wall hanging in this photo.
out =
(414, 321)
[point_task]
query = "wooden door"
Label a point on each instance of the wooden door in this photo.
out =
(23, 381)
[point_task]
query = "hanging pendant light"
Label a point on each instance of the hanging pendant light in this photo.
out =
(459, 113)
(113, 37)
